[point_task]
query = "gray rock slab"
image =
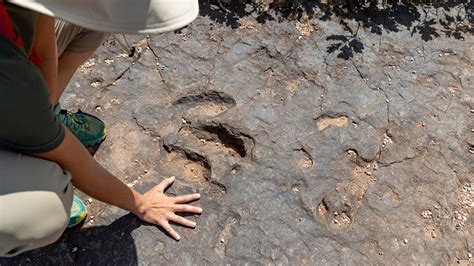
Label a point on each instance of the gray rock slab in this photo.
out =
(301, 156)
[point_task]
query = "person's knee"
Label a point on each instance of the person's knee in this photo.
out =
(35, 202)
(38, 219)
(75, 39)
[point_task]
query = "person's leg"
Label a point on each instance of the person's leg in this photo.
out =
(68, 63)
(35, 202)
(75, 45)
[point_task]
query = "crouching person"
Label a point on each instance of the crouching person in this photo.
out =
(43, 147)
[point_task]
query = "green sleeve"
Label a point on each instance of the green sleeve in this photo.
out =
(27, 121)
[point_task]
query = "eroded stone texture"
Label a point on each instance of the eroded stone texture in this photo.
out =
(301, 156)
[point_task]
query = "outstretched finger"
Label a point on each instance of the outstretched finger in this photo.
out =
(186, 208)
(170, 230)
(181, 220)
(187, 198)
(165, 183)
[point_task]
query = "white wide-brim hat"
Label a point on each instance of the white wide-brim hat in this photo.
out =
(124, 16)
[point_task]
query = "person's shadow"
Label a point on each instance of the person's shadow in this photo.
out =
(101, 245)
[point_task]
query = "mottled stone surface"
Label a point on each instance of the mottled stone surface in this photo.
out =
(310, 144)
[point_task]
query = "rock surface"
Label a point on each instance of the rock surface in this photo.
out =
(314, 142)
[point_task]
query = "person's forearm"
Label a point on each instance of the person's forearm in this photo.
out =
(91, 178)
(100, 184)
(45, 46)
(153, 206)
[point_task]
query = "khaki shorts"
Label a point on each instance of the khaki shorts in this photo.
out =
(36, 194)
(35, 202)
(72, 38)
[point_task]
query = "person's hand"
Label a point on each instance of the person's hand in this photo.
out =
(160, 209)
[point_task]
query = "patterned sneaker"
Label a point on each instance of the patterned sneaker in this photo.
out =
(89, 129)
(78, 212)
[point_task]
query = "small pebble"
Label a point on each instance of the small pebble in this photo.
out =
(469, 255)
(74, 249)
(222, 240)
(405, 241)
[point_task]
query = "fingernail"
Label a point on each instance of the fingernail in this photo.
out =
(194, 224)
(178, 238)
(198, 195)
(172, 178)
(200, 210)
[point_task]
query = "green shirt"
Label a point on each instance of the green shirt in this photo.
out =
(27, 121)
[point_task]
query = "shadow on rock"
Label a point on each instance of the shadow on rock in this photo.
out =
(101, 245)
(429, 20)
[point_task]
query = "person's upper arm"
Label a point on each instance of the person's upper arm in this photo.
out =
(27, 121)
